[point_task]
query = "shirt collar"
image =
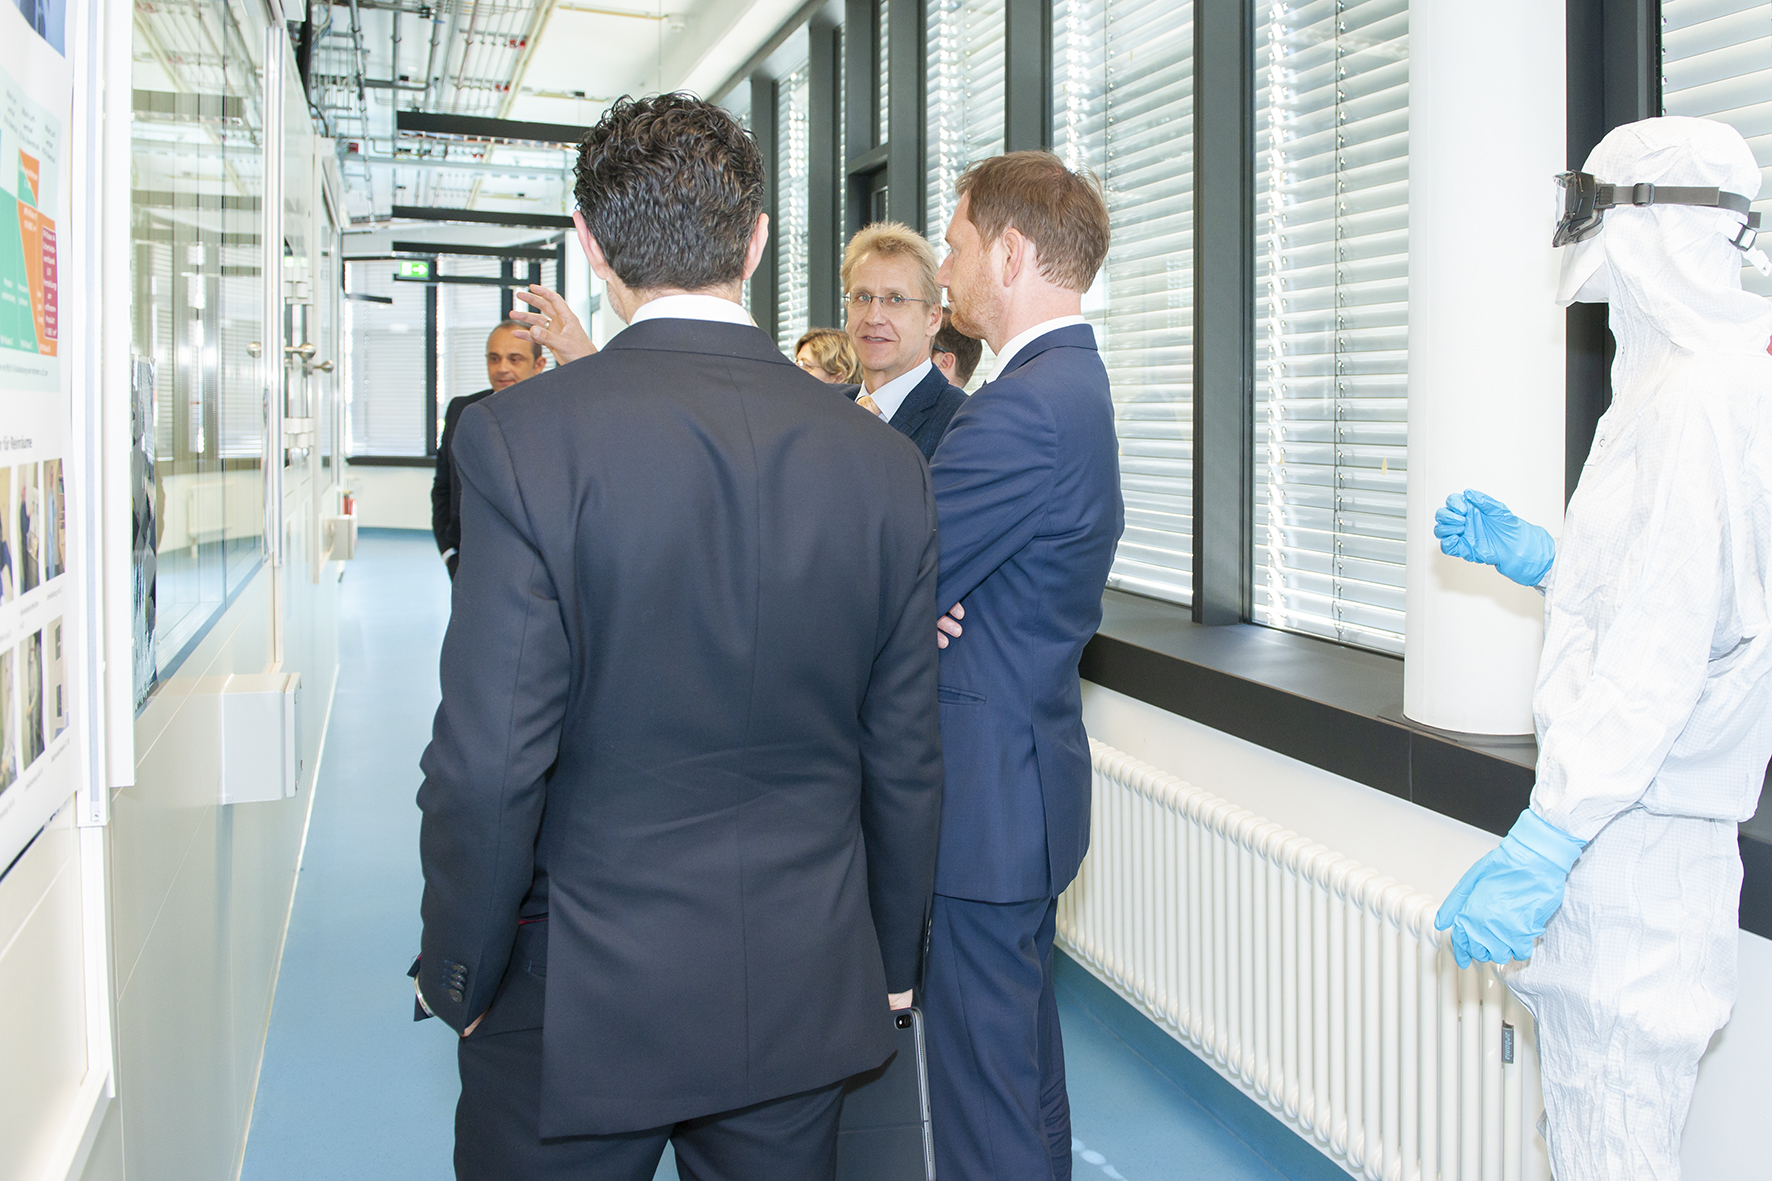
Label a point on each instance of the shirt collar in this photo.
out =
(891, 396)
(1006, 358)
(692, 307)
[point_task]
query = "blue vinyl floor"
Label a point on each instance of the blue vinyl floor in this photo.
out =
(353, 1090)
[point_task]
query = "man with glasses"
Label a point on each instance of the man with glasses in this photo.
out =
(894, 313)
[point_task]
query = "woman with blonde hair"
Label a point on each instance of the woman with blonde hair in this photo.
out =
(829, 355)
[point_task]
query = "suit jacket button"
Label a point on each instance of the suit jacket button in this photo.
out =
(454, 994)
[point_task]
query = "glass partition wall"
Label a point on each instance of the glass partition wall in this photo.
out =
(199, 329)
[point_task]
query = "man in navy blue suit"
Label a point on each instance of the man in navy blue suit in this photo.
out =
(894, 313)
(1027, 489)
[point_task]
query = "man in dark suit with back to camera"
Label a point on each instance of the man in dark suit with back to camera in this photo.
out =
(894, 311)
(682, 795)
(1027, 485)
(509, 360)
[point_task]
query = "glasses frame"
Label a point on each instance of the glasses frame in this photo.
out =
(856, 301)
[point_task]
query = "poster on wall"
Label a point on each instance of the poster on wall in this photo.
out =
(39, 616)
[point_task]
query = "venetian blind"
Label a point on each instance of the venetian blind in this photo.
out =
(885, 74)
(965, 40)
(466, 316)
(793, 243)
(388, 362)
(1716, 62)
(1123, 108)
(1331, 347)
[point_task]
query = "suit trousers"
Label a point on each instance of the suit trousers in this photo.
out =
(996, 1057)
(497, 1134)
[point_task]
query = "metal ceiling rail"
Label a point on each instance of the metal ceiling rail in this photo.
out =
(479, 127)
(544, 221)
(433, 248)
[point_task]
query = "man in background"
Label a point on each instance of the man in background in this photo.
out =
(682, 795)
(894, 312)
(509, 359)
(955, 353)
(1027, 482)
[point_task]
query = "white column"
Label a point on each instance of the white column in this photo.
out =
(1486, 361)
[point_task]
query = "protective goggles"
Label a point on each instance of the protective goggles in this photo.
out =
(1585, 200)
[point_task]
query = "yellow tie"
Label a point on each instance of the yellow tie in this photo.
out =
(866, 402)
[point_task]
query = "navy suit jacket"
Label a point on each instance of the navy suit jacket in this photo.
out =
(926, 411)
(689, 714)
(1027, 490)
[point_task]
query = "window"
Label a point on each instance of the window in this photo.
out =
(793, 243)
(883, 44)
(1331, 347)
(1123, 108)
(965, 98)
(466, 316)
(1716, 62)
(388, 362)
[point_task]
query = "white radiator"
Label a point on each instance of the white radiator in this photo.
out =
(1312, 982)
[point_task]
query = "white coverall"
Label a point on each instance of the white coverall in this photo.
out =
(1654, 697)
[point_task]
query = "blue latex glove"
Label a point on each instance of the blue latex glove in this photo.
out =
(1478, 528)
(1501, 904)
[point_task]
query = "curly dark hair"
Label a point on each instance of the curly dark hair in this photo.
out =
(670, 186)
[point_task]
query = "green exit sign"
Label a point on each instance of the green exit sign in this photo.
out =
(413, 270)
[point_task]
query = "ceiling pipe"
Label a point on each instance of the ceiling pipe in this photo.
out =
(362, 64)
(434, 99)
(467, 43)
(538, 27)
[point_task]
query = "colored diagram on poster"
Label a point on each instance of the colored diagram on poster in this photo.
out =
(31, 140)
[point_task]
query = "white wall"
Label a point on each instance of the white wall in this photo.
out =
(391, 497)
(1725, 1139)
(200, 898)
(43, 1035)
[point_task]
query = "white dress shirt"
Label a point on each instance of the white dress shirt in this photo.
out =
(692, 307)
(891, 396)
(1023, 339)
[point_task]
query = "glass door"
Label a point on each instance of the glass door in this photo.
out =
(198, 132)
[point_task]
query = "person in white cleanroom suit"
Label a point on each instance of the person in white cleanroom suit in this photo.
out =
(1654, 697)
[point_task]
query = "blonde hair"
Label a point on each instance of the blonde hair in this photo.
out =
(832, 351)
(891, 239)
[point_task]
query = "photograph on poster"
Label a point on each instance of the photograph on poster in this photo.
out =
(8, 725)
(30, 673)
(30, 526)
(55, 520)
(8, 540)
(49, 19)
(55, 681)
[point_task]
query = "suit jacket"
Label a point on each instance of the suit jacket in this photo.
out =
(689, 714)
(445, 490)
(1028, 486)
(926, 411)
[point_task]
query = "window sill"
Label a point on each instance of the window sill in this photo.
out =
(1340, 709)
(428, 461)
